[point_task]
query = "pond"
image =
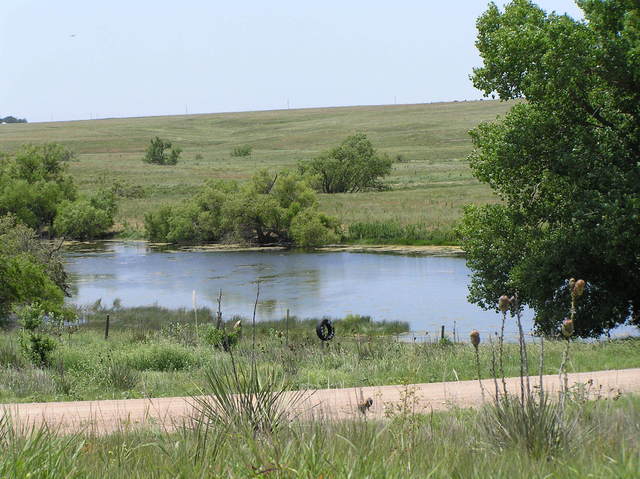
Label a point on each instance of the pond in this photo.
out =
(426, 291)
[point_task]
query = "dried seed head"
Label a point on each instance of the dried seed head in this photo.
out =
(504, 302)
(578, 287)
(572, 283)
(567, 328)
(474, 336)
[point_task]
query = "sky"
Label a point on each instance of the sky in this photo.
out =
(79, 59)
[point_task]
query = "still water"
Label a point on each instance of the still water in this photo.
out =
(427, 292)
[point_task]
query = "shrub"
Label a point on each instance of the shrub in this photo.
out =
(352, 166)
(30, 270)
(239, 397)
(120, 375)
(33, 182)
(81, 220)
(161, 357)
(36, 345)
(279, 208)
(243, 150)
(311, 228)
(220, 338)
(161, 152)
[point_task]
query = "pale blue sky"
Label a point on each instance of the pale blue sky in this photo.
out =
(78, 59)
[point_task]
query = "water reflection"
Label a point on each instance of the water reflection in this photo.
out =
(427, 292)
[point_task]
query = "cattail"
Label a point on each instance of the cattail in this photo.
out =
(578, 288)
(474, 336)
(504, 302)
(567, 328)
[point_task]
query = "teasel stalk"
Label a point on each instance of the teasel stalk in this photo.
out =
(474, 337)
(504, 303)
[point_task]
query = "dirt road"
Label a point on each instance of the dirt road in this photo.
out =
(111, 415)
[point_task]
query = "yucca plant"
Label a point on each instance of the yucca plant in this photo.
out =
(239, 396)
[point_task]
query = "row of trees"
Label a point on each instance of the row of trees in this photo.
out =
(12, 119)
(36, 188)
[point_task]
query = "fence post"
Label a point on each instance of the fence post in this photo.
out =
(106, 328)
(442, 332)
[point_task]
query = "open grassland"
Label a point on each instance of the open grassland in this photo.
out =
(428, 186)
(158, 353)
(604, 442)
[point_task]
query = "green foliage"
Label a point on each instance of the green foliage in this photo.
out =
(241, 151)
(565, 163)
(30, 270)
(311, 229)
(161, 356)
(389, 232)
(352, 166)
(33, 182)
(34, 341)
(161, 152)
(241, 397)
(85, 219)
(221, 338)
(268, 209)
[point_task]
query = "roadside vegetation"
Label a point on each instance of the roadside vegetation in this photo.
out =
(152, 352)
(438, 445)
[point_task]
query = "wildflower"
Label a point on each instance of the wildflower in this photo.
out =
(504, 302)
(567, 328)
(474, 336)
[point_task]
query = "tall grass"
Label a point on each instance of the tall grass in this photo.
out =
(438, 445)
(390, 232)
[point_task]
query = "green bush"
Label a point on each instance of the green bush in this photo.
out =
(36, 345)
(161, 152)
(220, 338)
(350, 167)
(278, 208)
(30, 269)
(33, 182)
(81, 220)
(243, 150)
(311, 228)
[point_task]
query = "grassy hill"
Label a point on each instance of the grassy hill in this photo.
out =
(429, 186)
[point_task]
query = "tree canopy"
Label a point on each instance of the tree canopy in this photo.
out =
(565, 161)
(279, 208)
(30, 269)
(37, 190)
(350, 167)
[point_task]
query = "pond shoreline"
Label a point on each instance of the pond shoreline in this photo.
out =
(408, 250)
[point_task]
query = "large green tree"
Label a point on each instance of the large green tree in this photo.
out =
(31, 270)
(34, 181)
(565, 161)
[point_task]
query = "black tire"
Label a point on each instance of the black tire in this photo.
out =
(325, 330)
